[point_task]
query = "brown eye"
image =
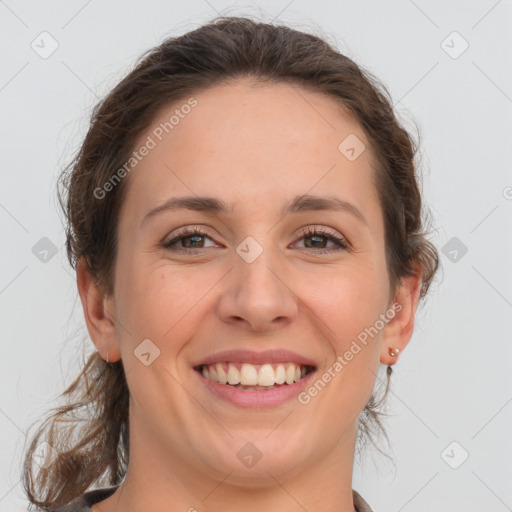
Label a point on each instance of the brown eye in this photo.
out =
(316, 234)
(191, 241)
(190, 238)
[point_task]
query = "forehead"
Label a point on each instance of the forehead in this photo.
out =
(253, 145)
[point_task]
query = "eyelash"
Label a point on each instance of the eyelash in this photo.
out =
(308, 232)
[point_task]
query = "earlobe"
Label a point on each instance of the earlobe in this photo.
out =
(96, 305)
(398, 331)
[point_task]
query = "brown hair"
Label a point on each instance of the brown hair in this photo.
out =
(93, 448)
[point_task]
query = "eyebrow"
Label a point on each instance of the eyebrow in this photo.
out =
(213, 206)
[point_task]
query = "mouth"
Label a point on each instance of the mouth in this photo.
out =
(255, 377)
(251, 379)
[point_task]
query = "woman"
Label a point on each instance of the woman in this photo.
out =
(245, 220)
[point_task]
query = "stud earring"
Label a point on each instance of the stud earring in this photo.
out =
(393, 352)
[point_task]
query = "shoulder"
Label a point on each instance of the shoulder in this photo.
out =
(359, 503)
(84, 502)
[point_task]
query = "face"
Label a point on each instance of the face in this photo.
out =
(252, 277)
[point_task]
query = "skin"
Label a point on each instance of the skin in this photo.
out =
(255, 147)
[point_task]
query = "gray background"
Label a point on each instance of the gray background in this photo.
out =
(452, 383)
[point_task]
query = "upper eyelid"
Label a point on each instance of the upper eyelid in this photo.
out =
(205, 230)
(188, 231)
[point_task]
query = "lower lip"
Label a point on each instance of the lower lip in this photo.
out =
(256, 399)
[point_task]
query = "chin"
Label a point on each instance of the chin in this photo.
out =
(268, 455)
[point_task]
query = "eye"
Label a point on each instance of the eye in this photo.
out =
(190, 239)
(316, 234)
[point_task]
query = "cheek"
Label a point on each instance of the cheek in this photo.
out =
(161, 302)
(346, 301)
(341, 306)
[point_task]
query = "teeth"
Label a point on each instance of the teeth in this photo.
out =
(290, 374)
(233, 375)
(248, 375)
(221, 374)
(281, 374)
(265, 375)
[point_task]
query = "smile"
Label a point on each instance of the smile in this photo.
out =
(254, 376)
(257, 386)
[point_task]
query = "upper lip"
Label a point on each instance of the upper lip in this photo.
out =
(250, 356)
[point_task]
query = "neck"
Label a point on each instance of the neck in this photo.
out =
(157, 479)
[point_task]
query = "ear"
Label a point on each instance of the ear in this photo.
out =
(399, 329)
(98, 308)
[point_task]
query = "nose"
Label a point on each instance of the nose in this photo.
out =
(258, 295)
